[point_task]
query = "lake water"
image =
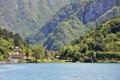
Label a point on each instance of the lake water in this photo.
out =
(60, 71)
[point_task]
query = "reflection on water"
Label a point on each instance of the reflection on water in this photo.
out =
(60, 71)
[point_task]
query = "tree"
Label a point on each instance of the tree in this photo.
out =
(17, 40)
(4, 46)
(38, 52)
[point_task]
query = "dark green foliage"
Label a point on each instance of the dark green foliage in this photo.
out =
(6, 34)
(17, 40)
(38, 52)
(98, 44)
(7, 40)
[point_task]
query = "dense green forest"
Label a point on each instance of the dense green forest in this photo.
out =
(8, 42)
(101, 43)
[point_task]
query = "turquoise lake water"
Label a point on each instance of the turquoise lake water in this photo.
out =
(60, 71)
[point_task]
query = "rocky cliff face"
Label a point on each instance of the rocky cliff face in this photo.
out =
(88, 13)
(96, 9)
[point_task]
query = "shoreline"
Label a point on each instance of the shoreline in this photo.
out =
(61, 61)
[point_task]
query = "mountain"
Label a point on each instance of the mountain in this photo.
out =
(73, 20)
(101, 43)
(64, 33)
(105, 37)
(55, 23)
(26, 17)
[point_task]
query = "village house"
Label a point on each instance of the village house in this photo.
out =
(53, 55)
(16, 56)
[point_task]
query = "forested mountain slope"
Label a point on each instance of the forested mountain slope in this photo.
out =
(27, 16)
(75, 19)
(54, 23)
(102, 42)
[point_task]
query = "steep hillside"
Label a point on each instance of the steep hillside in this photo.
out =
(55, 22)
(27, 16)
(64, 33)
(115, 11)
(100, 43)
(106, 37)
(88, 13)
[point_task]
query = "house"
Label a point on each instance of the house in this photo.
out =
(53, 55)
(16, 56)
